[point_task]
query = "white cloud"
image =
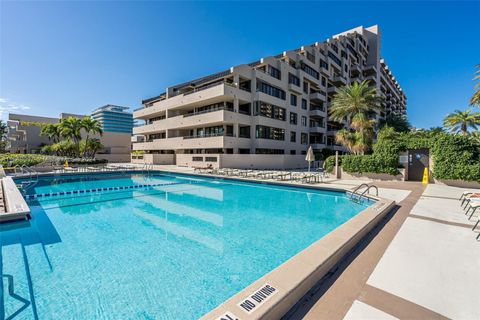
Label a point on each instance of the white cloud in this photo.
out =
(7, 106)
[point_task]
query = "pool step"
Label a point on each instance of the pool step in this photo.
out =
(95, 190)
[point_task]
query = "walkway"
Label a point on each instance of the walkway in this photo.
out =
(421, 263)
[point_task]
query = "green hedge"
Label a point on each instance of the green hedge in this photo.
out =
(330, 163)
(456, 157)
(8, 160)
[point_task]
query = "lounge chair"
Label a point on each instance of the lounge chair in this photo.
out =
(473, 205)
(466, 200)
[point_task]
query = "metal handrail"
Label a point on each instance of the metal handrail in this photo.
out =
(363, 194)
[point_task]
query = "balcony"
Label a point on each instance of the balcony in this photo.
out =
(332, 90)
(194, 142)
(317, 96)
(210, 94)
(210, 117)
(317, 112)
(295, 88)
(339, 80)
(317, 129)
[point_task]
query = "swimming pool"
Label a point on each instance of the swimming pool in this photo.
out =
(158, 246)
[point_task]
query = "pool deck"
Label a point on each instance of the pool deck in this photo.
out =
(422, 262)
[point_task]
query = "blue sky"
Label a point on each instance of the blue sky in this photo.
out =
(75, 56)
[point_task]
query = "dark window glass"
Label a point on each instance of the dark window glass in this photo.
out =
(293, 100)
(269, 110)
(304, 138)
(264, 132)
(304, 121)
(293, 152)
(293, 118)
(293, 136)
(294, 79)
(270, 90)
(304, 104)
(274, 72)
(310, 71)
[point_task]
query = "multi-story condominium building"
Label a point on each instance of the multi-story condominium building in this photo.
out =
(114, 118)
(268, 112)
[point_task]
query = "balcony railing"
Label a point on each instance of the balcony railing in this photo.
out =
(208, 111)
(209, 135)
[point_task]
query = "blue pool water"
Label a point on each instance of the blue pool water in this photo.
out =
(174, 251)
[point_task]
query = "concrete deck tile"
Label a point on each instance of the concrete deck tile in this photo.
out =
(432, 265)
(362, 311)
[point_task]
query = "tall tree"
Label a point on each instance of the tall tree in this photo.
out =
(70, 128)
(399, 123)
(475, 100)
(91, 127)
(356, 104)
(461, 121)
(52, 131)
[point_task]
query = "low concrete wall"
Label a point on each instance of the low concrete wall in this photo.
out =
(153, 158)
(459, 183)
(373, 176)
(243, 161)
(15, 206)
(112, 157)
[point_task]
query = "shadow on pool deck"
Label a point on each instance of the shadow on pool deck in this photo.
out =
(332, 297)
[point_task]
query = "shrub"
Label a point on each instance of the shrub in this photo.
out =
(456, 157)
(9, 160)
(330, 163)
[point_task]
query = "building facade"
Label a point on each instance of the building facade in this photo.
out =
(270, 110)
(114, 119)
(23, 136)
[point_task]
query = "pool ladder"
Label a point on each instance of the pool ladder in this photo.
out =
(357, 195)
(29, 172)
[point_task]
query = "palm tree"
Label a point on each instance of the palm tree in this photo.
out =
(475, 101)
(356, 103)
(461, 121)
(70, 128)
(52, 131)
(91, 127)
(399, 123)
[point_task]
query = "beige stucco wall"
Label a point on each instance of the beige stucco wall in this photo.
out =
(244, 161)
(154, 158)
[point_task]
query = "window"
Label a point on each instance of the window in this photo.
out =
(245, 108)
(310, 71)
(244, 132)
(334, 58)
(197, 158)
(293, 118)
(305, 86)
(274, 72)
(293, 100)
(293, 79)
(324, 81)
(335, 48)
(293, 136)
(212, 159)
(304, 104)
(304, 138)
(269, 151)
(270, 90)
(304, 121)
(293, 152)
(323, 64)
(264, 132)
(244, 151)
(269, 110)
(310, 57)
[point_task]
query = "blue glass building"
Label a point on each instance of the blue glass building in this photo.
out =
(114, 118)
